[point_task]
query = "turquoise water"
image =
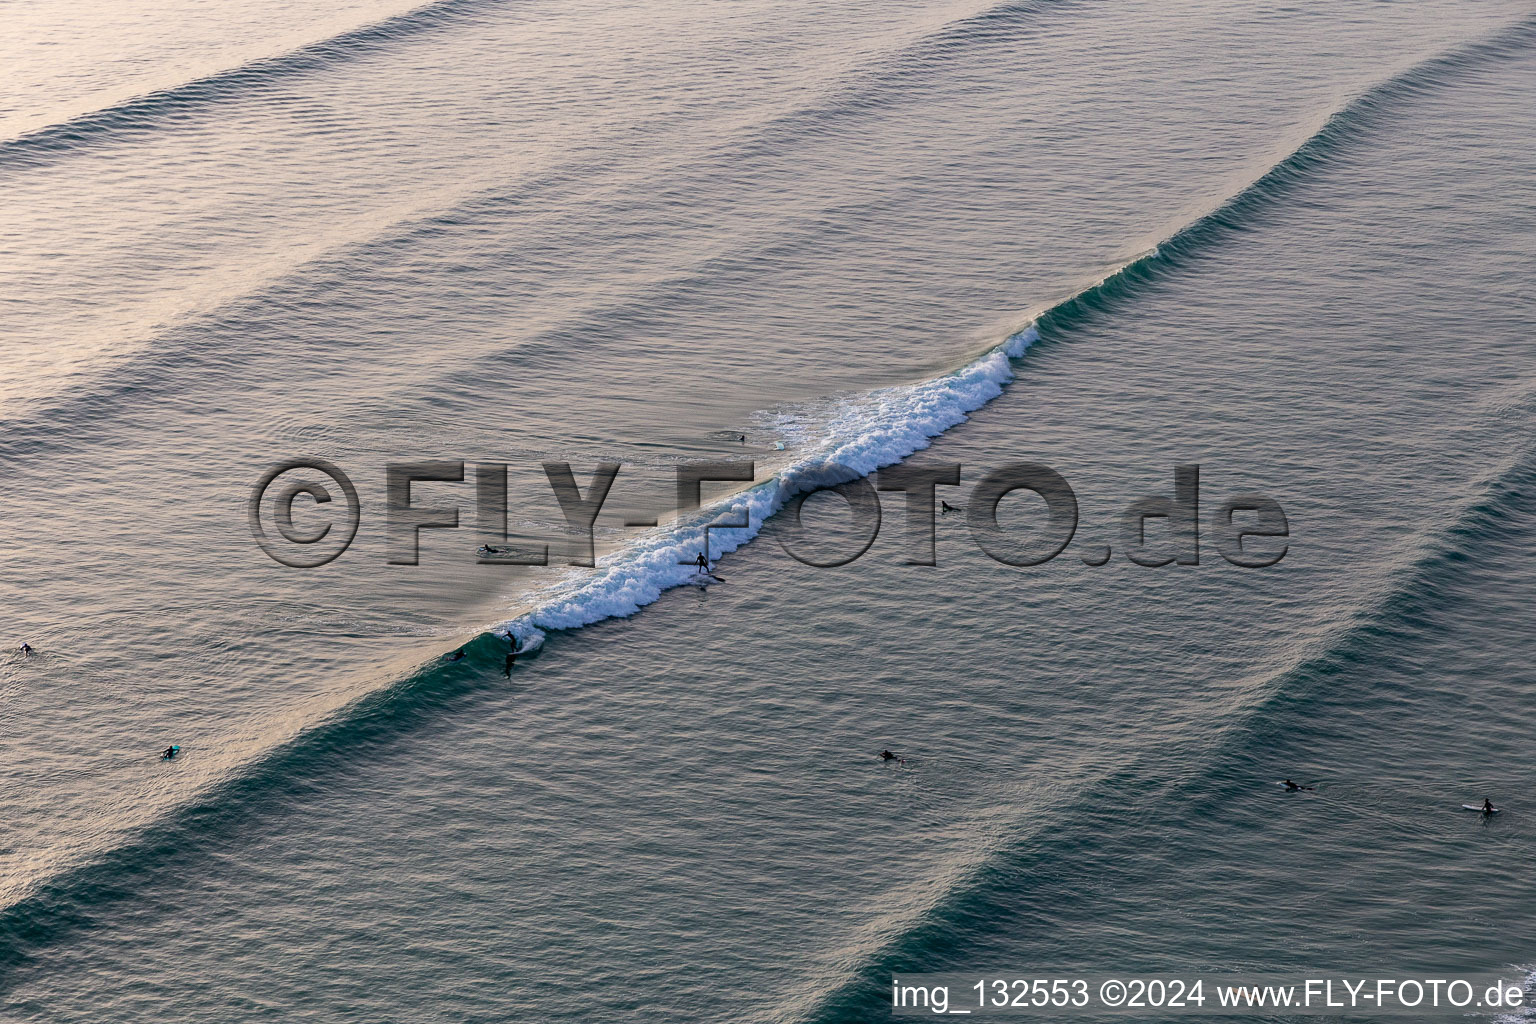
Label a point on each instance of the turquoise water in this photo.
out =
(1294, 246)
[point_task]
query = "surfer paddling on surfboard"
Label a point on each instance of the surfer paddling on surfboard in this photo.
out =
(1291, 787)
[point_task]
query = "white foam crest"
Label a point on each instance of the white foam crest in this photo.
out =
(865, 433)
(1524, 1014)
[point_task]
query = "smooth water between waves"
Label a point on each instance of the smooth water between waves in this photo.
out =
(1292, 246)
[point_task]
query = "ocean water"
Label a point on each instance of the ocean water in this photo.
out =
(1293, 245)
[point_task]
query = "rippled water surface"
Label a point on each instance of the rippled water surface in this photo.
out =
(1294, 246)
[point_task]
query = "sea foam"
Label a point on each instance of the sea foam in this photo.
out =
(863, 434)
